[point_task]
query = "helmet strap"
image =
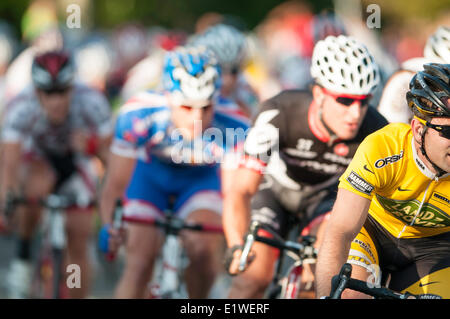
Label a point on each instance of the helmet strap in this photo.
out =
(333, 136)
(439, 171)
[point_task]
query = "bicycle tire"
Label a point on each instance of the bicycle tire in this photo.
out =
(291, 283)
(41, 287)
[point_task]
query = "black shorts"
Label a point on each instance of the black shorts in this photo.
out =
(280, 213)
(407, 261)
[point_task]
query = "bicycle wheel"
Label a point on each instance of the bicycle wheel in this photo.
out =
(290, 284)
(41, 286)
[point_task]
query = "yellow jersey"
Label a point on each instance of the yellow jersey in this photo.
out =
(407, 199)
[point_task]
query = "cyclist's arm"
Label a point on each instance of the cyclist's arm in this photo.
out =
(118, 175)
(345, 222)
(103, 149)
(236, 207)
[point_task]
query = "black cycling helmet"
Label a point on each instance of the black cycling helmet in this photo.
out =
(52, 71)
(429, 91)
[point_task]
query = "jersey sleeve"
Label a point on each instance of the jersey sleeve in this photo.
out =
(15, 122)
(362, 177)
(263, 137)
(130, 133)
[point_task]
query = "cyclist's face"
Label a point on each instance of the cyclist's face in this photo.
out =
(55, 104)
(192, 121)
(343, 114)
(437, 146)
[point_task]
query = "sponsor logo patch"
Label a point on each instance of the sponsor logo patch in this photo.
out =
(382, 162)
(359, 183)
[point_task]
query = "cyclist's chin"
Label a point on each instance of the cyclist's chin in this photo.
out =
(346, 133)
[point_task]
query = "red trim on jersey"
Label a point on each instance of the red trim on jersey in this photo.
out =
(252, 163)
(236, 113)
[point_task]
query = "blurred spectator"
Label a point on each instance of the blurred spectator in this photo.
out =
(40, 30)
(146, 74)
(94, 60)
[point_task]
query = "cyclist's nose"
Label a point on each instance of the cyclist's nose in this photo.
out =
(355, 109)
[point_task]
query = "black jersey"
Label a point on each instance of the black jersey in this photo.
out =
(284, 142)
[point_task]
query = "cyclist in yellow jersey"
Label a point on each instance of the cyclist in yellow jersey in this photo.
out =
(398, 184)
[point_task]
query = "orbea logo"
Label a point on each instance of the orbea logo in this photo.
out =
(211, 145)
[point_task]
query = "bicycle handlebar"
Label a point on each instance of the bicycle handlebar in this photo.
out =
(302, 250)
(176, 226)
(343, 281)
(52, 201)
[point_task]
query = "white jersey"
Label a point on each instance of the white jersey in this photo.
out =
(24, 120)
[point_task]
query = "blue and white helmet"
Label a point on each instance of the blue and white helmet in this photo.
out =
(192, 76)
(227, 43)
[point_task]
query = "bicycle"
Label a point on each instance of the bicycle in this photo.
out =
(48, 274)
(285, 285)
(344, 281)
(167, 281)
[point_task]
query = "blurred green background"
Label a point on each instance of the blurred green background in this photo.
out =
(184, 13)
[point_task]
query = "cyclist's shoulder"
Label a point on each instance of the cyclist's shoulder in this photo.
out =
(288, 102)
(230, 118)
(84, 97)
(387, 141)
(25, 101)
(291, 97)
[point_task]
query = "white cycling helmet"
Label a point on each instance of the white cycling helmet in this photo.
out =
(343, 65)
(437, 48)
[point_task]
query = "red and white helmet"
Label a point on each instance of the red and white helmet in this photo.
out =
(52, 70)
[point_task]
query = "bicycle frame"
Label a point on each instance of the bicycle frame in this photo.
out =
(288, 284)
(52, 248)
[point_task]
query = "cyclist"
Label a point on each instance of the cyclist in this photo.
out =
(393, 200)
(50, 132)
(229, 46)
(299, 144)
(392, 104)
(164, 148)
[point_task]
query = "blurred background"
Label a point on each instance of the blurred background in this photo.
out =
(118, 47)
(110, 37)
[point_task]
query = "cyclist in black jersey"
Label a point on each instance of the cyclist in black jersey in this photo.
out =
(299, 145)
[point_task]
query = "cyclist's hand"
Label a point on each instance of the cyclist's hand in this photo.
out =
(116, 239)
(232, 257)
(84, 142)
(110, 239)
(307, 277)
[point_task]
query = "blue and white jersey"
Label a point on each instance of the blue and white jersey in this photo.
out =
(144, 130)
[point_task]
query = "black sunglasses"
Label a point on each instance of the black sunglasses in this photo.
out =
(347, 101)
(444, 130)
(56, 91)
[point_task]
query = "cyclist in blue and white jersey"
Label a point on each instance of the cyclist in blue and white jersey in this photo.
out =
(169, 144)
